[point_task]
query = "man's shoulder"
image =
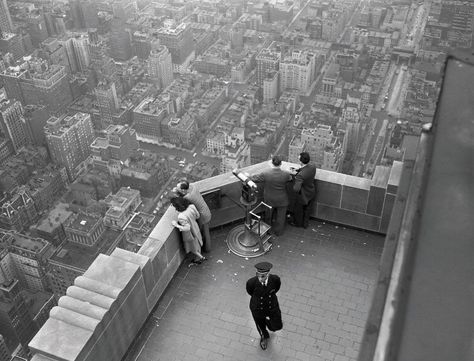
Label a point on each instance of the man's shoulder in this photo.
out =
(308, 169)
(252, 280)
(273, 277)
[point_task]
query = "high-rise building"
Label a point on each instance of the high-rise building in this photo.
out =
(141, 44)
(270, 86)
(16, 324)
(6, 149)
(107, 101)
(182, 131)
(295, 147)
(69, 139)
(17, 210)
(297, 71)
(114, 151)
(6, 25)
(122, 207)
(80, 43)
(120, 41)
(75, 11)
(13, 124)
(323, 146)
(36, 27)
(29, 256)
(12, 43)
(89, 13)
(179, 41)
(147, 117)
(36, 116)
(55, 52)
(124, 9)
(160, 67)
(5, 354)
(267, 61)
(100, 61)
(330, 79)
(77, 50)
(351, 118)
(11, 79)
(45, 84)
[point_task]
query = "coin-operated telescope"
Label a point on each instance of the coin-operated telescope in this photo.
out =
(249, 188)
(251, 239)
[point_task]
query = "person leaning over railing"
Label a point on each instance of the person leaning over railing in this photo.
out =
(187, 224)
(305, 191)
(192, 194)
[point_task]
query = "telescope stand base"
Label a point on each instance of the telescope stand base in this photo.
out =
(243, 243)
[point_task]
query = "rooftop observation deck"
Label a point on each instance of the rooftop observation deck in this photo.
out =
(346, 293)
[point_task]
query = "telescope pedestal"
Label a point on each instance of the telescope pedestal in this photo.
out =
(244, 240)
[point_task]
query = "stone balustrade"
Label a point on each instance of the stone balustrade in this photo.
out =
(103, 311)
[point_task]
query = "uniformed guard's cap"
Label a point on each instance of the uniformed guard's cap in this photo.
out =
(263, 267)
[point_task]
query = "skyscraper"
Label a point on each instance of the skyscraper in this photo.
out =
(11, 79)
(36, 116)
(108, 102)
(5, 354)
(69, 139)
(13, 124)
(297, 71)
(80, 43)
(36, 27)
(28, 258)
(113, 152)
(160, 67)
(6, 25)
(17, 210)
(179, 41)
(16, 324)
(267, 61)
(89, 13)
(46, 84)
(12, 43)
(77, 50)
(120, 41)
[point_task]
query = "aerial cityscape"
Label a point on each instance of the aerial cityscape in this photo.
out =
(106, 104)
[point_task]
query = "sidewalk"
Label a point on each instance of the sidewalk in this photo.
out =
(328, 274)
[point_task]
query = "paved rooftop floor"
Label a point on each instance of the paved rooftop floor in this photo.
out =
(328, 274)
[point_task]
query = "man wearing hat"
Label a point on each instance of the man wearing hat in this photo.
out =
(264, 302)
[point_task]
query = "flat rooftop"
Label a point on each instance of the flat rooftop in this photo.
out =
(328, 275)
(81, 257)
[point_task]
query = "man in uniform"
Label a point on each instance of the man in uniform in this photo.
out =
(264, 302)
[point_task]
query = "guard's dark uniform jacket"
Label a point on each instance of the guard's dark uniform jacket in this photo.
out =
(264, 304)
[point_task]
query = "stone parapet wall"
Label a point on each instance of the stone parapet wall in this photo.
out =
(104, 310)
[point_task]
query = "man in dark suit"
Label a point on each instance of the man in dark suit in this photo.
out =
(305, 191)
(274, 192)
(264, 302)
